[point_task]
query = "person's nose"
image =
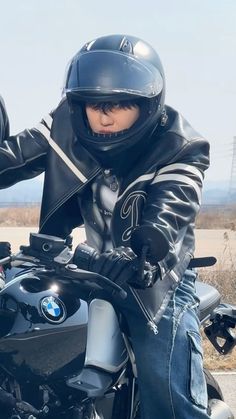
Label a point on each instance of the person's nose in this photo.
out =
(106, 119)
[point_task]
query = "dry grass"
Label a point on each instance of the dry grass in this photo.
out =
(19, 217)
(217, 217)
(214, 361)
(225, 282)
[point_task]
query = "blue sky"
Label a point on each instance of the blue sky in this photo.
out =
(195, 39)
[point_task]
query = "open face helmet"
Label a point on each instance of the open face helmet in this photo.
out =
(115, 68)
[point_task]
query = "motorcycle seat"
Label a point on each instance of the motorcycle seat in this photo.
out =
(209, 299)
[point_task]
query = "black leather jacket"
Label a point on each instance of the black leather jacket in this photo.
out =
(4, 122)
(162, 190)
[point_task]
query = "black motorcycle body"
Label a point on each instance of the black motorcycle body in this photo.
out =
(43, 337)
(35, 346)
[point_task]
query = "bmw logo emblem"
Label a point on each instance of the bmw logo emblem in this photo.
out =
(53, 309)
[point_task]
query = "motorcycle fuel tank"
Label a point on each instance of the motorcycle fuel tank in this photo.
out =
(43, 328)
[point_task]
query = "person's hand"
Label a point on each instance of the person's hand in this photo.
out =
(4, 121)
(119, 265)
(146, 277)
(5, 251)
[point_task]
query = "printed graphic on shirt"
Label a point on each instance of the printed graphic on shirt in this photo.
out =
(97, 212)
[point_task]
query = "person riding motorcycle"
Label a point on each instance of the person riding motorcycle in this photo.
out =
(130, 168)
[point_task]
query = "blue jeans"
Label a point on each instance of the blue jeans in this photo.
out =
(170, 370)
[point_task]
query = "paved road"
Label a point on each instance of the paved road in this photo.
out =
(227, 382)
(20, 235)
(208, 242)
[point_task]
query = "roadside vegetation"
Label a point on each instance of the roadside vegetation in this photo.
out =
(210, 217)
(19, 217)
(224, 279)
(225, 282)
(217, 217)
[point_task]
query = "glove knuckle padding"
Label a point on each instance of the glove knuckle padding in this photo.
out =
(117, 269)
(112, 265)
(117, 264)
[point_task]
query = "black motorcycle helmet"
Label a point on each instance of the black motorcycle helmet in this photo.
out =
(111, 69)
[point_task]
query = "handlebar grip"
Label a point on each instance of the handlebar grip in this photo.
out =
(146, 235)
(83, 255)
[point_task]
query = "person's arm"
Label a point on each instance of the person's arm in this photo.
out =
(4, 121)
(22, 156)
(174, 198)
(5, 251)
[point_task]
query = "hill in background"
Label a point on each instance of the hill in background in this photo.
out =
(30, 191)
(217, 193)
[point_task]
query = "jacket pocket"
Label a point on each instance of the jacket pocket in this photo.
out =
(197, 382)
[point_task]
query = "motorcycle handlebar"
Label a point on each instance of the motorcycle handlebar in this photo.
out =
(6, 260)
(71, 271)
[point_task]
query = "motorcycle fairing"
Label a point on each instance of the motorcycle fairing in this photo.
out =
(33, 347)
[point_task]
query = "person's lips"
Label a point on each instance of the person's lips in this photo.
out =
(104, 131)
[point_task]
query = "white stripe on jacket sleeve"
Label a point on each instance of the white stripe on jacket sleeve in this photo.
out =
(183, 167)
(179, 178)
(142, 178)
(48, 121)
(45, 131)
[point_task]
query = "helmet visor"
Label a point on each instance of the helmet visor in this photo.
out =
(98, 73)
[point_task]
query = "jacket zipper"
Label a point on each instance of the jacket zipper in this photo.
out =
(150, 322)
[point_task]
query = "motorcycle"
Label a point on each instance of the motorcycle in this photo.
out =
(53, 363)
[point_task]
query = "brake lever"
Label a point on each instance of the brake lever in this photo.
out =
(144, 279)
(6, 260)
(73, 272)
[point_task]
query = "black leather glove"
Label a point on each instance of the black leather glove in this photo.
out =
(119, 265)
(5, 251)
(4, 122)
(146, 277)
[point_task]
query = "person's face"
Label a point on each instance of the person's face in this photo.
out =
(110, 121)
